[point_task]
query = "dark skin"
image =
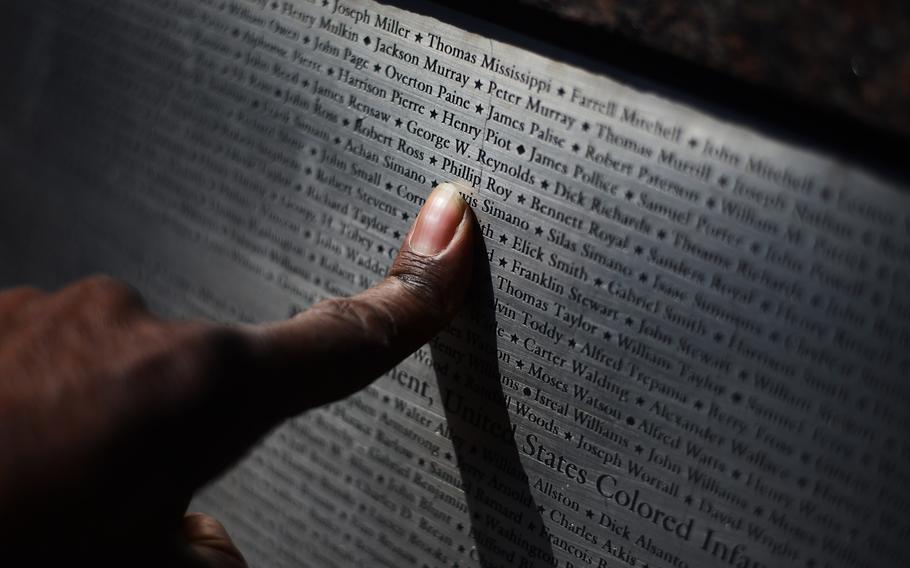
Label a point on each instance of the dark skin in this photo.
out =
(111, 418)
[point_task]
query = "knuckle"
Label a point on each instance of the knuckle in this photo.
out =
(421, 279)
(110, 293)
(370, 321)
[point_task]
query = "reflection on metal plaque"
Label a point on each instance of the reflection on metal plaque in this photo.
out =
(690, 348)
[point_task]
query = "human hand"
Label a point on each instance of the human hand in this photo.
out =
(111, 418)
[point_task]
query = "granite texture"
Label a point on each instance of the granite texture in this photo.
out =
(845, 56)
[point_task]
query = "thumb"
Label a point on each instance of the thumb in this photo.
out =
(339, 346)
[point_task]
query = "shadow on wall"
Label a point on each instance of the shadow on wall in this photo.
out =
(506, 524)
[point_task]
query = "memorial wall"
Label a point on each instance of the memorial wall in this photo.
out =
(690, 348)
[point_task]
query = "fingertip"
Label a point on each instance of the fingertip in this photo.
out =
(440, 278)
(442, 215)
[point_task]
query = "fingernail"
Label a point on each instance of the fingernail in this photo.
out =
(438, 220)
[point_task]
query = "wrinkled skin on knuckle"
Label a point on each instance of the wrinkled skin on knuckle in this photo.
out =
(425, 284)
(368, 322)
